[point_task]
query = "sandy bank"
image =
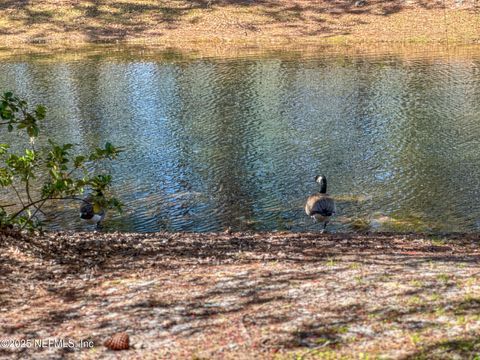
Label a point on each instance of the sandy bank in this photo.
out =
(210, 24)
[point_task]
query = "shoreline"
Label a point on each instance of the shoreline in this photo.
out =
(128, 52)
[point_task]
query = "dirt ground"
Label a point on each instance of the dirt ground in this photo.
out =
(209, 24)
(242, 296)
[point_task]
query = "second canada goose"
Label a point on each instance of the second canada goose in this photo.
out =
(91, 212)
(320, 206)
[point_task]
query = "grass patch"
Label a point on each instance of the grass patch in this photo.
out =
(444, 278)
(438, 241)
(416, 283)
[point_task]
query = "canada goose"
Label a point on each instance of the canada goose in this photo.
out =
(91, 212)
(320, 206)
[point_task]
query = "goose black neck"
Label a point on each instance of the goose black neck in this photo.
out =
(323, 186)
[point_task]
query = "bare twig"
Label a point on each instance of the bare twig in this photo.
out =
(18, 195)
(37, 209)
(7, 205)
(42, 200)
(30, 199)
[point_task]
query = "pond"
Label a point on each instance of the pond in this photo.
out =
(217, 143)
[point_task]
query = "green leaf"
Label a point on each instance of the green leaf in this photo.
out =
(4, 148)
(78, 161)
(6, 177)
(62, 181)
(34, 131)
(40, 112)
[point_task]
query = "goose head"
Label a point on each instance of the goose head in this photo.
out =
(322, 180)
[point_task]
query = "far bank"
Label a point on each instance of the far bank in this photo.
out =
(202, 24)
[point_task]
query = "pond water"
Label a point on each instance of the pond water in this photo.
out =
(217, 143)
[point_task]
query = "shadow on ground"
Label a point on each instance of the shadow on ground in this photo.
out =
(108, 20)
(291, 293)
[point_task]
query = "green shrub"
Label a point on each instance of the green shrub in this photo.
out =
(63, 174)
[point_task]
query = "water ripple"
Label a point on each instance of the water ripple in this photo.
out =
(215, 144)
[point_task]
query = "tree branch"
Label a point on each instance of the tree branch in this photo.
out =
(18, 195)
(37, 209)
(44, 200)
(29, 197)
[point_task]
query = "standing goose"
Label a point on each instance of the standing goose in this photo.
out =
(320, 206)
(91, 212)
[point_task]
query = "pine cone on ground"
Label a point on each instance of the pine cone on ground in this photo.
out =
(119, 341)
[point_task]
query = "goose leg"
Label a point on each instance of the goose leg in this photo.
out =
(324, 226)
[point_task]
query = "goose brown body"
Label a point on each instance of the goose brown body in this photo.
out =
(320, 206)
